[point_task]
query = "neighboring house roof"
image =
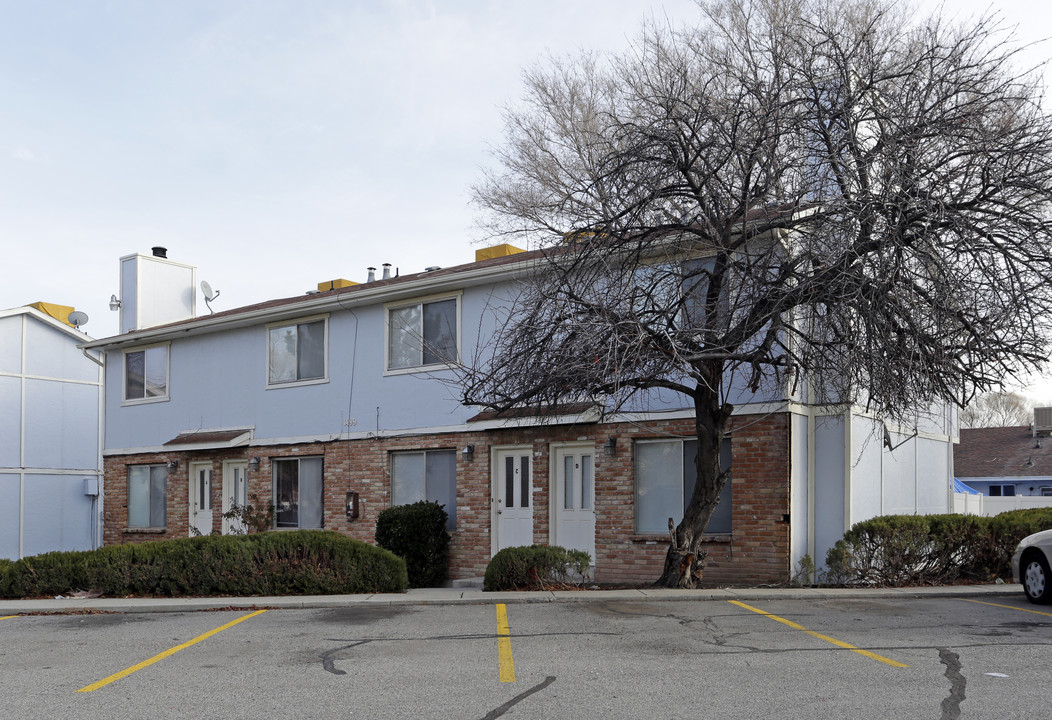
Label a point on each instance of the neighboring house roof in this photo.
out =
(1002, 452)
(48, 320)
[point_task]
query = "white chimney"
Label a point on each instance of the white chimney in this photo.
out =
(155, 291)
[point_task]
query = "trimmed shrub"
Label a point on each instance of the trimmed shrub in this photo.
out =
(902, 550)
(301, 562)
(417, 534)
(536, 567)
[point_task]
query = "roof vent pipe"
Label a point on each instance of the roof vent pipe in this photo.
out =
(161, 252)
(387, 271)
(372, 274)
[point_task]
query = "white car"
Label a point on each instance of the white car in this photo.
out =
(1030, 566)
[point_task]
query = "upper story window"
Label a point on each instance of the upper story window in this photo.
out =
(146, 374)
(423, 334)
(296, 352)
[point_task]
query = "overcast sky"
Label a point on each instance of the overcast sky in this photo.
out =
(273, 144)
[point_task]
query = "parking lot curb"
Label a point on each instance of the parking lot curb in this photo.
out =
(460, 596)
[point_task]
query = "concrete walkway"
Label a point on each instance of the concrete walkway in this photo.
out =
(473, 596)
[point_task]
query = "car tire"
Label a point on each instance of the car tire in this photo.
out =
(1036, 578)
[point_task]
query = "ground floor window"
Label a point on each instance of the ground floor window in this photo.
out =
(147, 486)
(666, 472)
(426, 475)
(1002, 490)
(298, 492)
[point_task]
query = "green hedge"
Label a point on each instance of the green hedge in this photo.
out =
(535, 567)
(417, 534)
(904, 550)
(302, 562)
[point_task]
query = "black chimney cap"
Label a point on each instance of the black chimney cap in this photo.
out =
(161, 252)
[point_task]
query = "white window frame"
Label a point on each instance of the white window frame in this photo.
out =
(420, 301)
(1001, 487)
(325, 352)
(125, 400)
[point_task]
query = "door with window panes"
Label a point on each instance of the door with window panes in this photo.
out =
(201, 498)
(235, 494)
(573, 497)
(513, 498)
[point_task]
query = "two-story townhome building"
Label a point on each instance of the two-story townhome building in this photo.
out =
(336, 404)
(50, 433)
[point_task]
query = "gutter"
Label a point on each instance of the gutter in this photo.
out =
(341, 301)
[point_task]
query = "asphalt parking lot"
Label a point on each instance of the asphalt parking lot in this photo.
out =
(884, 657)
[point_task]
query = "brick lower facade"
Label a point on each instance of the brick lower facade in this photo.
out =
(756, 550)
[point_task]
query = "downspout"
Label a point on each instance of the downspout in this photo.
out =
(98, 501)
(848, 449)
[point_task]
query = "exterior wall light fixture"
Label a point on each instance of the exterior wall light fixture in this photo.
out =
(610, 446)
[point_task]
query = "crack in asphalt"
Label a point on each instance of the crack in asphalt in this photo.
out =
(951, 705)
(328, 662)
(497, 712)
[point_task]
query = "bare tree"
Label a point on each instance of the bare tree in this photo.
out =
(832, 200)
(996, 409)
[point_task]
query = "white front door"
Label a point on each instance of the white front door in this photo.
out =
(235, 492)
(513, 498)
(573, 497)
(201, 498)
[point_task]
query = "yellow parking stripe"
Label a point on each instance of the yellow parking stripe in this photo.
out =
(1010, 607)
(504, 658)
(826, 638)
(5, 617)
(146, 663)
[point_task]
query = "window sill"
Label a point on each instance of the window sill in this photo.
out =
(145, 530)
(663, 539)
(418, 369)
(297, 383)
(143, 401)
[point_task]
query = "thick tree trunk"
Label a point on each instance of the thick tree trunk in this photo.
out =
(685, 559)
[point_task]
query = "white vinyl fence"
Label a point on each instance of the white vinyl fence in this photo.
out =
(968, 504)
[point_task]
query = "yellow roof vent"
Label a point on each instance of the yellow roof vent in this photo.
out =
(496, 251)
(335, 284)
(59, 312)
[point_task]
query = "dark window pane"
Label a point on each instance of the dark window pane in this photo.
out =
(134, 375)
(158, 489)
(509, 481)
(524, 481)
(286, 490)
(311, 350)
(440, 332)
(441, 482)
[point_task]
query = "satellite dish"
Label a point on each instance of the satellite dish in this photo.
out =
(77, 318)
(209, 294)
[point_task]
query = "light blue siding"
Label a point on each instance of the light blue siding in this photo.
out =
(829, 484)
(58, 515)
(61, 425)
(51, 353)
(867, 440)
(10, 504)
(10, 422)
(11, 345)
